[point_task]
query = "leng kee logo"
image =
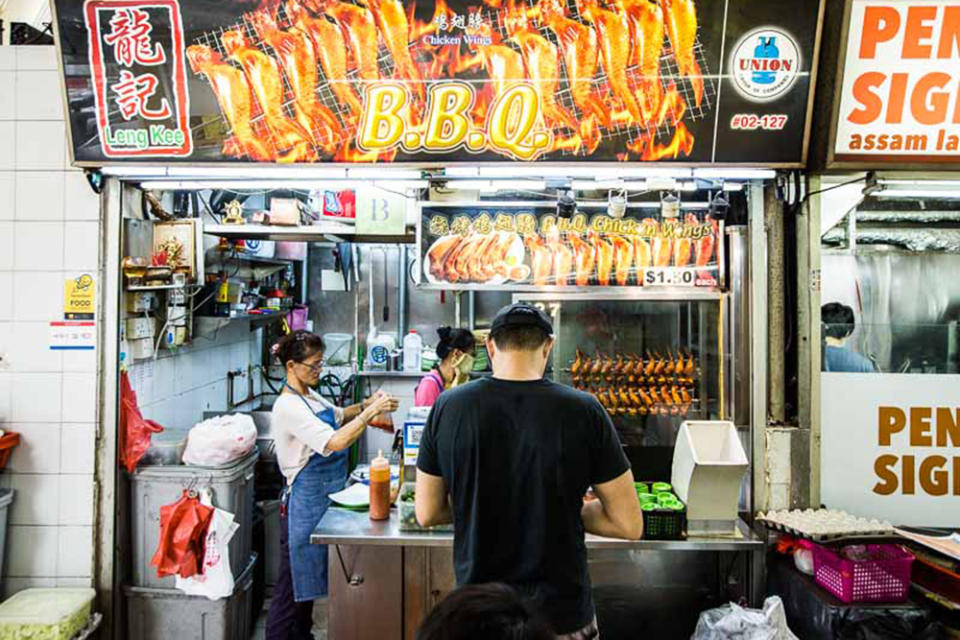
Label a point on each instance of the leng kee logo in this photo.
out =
(765, 64)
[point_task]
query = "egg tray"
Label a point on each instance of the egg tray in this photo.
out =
(831, 538)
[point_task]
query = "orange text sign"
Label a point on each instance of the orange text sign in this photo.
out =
(900, 97)
(890, 446)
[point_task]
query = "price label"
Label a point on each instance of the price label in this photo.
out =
(669, 277)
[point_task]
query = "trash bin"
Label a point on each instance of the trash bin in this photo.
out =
(154, 486)
(6, 498)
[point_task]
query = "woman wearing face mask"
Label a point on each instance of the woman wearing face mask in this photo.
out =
(455, 353)
(312, 438)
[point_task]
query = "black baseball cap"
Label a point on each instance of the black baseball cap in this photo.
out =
(521, 314)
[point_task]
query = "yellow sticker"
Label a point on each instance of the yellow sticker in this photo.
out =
(80, 298)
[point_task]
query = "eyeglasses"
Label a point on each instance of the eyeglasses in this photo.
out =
(315, 368)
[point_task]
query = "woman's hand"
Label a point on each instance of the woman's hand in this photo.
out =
(381, 402)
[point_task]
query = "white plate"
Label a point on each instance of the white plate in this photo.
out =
(356, 495)
(515, 257)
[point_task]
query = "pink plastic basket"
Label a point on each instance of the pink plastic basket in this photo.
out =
(881, 574)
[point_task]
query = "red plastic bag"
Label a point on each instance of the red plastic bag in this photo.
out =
(135, 430)
(183, 530)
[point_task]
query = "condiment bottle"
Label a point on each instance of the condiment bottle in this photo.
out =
(379, 488)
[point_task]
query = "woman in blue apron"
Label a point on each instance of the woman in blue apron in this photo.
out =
(312, 438)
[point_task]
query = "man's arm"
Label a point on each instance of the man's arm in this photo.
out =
(431, 502)
(616, 514)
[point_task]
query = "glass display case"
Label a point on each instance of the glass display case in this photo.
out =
(652, 359)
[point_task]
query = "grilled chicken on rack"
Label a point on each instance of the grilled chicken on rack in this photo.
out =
(235, 99)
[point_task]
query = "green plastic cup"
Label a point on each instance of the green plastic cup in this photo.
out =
(665, 496)
(641, 487)
(647, 498)
(648, 507)
(676, 506)
(659, 487)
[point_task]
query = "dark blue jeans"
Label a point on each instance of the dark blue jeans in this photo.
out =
(288, 619)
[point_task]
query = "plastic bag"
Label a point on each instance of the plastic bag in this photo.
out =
(216, 581)
(135, 430)
(221, 440)
(731, 622)
(183, 529)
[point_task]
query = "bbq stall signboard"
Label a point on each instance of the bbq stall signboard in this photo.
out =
(348, 81)
(519, 246)
(900, 97)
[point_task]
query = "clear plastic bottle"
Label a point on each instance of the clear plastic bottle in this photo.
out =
(379, 488)
(412, 348)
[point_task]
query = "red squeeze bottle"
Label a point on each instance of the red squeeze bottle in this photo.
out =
(379, 488)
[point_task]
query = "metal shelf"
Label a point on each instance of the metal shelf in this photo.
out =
(264, 317)
(323, 232)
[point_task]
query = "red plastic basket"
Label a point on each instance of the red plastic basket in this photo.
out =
(882, 575)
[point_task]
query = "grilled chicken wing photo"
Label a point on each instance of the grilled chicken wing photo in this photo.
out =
(614, 34)
(680, 17)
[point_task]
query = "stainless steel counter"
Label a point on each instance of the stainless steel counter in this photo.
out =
(345, 527)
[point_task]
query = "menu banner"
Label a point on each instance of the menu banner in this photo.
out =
(310, 81)
(524, 246)
(899, 97)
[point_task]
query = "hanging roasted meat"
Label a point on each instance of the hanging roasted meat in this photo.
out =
(597, 365)
(614, 34)
(604, 252)
(584, 257)
(680, 17)
(331, 50)
(541, 259)
(622, 258)
(265, 79)
(577, 363)
(543, 68)
(392, 20)
(234, 96)
(578, 46)
(295, 52)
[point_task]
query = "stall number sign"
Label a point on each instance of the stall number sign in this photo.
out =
(79, 298)
(900, 97)
(140, 81)
(412, 433)
(381, 212)
(890, 446)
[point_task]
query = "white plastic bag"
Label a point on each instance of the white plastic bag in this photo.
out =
(731, 622)
(216, 581)
(220, 440)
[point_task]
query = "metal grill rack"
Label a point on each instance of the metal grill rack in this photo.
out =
(621, 132)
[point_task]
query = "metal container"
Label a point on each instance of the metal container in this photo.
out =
(161, 614)
(155, 486)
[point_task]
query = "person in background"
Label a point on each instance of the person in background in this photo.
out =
(455, 361)
(509, 459)
(311, 437)
(839, 323)
(484, 612)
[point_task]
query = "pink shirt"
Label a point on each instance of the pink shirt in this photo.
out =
(429, 389)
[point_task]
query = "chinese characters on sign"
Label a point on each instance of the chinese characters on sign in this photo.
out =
(469, 246)
(136, 53)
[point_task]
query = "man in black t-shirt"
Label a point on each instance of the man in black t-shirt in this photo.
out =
(516, 453)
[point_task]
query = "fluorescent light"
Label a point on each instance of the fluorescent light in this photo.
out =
(515, 185)
(123, 170)
(635, 185)
(247, 185)
(400, 184)
(694, 205)
(732, 186)
(462, 172)
(688, 186)
(550, 172)
(258, 172)
(921, 183)
(654, 173)
(384, 172)
(593, 185)
(742, 174)
(919, 193)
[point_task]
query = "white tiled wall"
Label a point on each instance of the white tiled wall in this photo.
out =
(175, 390)
(49, 231)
